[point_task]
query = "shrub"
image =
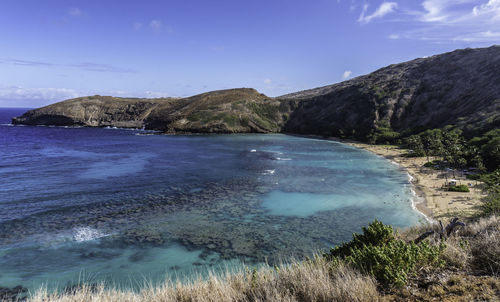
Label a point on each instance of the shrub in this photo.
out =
(384, 135)
(391, 261)
(459, 188)
(491, 204)
(473, 176)
(435, 164)
(375, 234)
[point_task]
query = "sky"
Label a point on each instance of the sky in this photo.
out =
(53, 50)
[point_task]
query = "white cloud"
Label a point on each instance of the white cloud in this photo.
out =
(49, 94)
(441, 21)
(155, 25)
(435, 10)
(87, 66)
(346, 74)
(156, 94)
(486, 36)
(135, 94)
(267, 81)
(13, 96)
(491, 9)
(75, 12)
(384, 9)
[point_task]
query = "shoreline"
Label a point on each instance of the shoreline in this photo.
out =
(419, 200)
(429, 198)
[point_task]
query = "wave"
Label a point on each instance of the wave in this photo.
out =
(83, 234)
(268, 172)
(410, 177)
(271, 151)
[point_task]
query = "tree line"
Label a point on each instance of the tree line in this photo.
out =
(480, 152)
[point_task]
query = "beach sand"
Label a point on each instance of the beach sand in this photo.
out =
(432, 200)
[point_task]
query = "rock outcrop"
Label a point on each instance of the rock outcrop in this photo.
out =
(460, 88)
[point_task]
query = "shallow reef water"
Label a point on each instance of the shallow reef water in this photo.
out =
(113, 205)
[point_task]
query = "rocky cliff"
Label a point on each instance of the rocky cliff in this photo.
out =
(226, 111)
(460, 88)
(93, 111)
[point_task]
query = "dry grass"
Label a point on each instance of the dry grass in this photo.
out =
(472, 272)
(474, 248)
(314, 280)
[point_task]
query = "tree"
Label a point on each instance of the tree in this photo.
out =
(491, 203)
(491, 153)
(453, 148)
(414, 142)
(432, 141)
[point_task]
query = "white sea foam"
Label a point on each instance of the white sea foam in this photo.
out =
(279, 158)
(86, 234)
(253, 150)
(414, 201)
(72, 127)
(268, 172)
(410, 178)
(394, 163)
(272, 151)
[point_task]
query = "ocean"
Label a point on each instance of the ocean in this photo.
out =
(127, 207)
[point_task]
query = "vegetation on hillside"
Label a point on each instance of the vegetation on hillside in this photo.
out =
(459, 151)
(491, 203)
(391, 261)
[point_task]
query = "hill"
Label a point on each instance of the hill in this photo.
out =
(460, 88)
(225, 111)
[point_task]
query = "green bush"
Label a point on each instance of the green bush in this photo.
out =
(473, 176)
(394, 263)
(459, 188)
(491, 203)
(429, 164)
(435, 164)
(376, 233)
(391, 261)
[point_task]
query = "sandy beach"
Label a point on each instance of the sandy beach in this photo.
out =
(432, 200)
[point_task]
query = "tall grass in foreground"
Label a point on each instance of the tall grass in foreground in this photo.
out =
(471, 271)
(313, 280)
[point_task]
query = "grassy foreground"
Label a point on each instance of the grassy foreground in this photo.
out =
(464, 267)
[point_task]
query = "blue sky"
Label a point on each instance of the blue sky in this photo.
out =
(53, 50)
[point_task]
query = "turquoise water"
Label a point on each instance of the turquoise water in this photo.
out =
(124, 206)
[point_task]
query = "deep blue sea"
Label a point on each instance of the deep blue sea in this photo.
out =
(125, 206)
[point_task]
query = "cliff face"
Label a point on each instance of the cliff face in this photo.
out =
(461, 88)
(225, 111)
(93, 111)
